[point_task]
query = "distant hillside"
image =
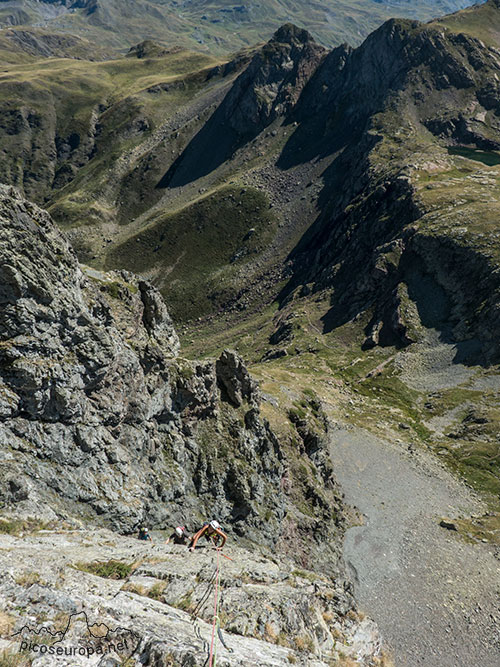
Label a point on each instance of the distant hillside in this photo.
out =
(215, 25)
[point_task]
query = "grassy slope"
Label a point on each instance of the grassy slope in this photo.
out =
(200, 249)
(77, 86)
(477, 22)
(17, 44)
(114, 78)
(196, 254)
(72, 91)
(220, 26)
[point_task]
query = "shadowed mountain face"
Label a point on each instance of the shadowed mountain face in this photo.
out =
(268, 89)
(217, 26)
(387, 114)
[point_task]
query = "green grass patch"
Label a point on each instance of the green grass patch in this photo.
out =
(478, 463)
(447, 399)
(137, 589)
(111, 569)
(392, 392)
(115, 288)
(196, 254)
(27, 579)
(306, 574)
(156, 591)
(296, 414)
(485, 528)
(481, 22)
(186, 602)
(22, 526)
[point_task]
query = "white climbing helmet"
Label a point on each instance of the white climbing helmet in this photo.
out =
(215, 525)
(179, 531)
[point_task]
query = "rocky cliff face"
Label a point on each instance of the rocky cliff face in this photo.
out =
(389, 114)
(101, 419)
(273, 82)
(102, 422)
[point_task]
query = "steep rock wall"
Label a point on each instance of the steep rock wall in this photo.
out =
(101, 419)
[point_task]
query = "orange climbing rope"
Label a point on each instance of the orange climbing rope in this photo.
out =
(213, 646)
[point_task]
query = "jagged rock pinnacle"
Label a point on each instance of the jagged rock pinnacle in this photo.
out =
(291, 34)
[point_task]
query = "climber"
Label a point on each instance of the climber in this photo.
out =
(144, 534)
(212, 532)
(179, 536)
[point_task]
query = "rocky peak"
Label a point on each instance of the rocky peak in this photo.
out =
(235, 380)
(398, 90)
(400, 59)
(89, 5)
(291, 34)
(273, 82)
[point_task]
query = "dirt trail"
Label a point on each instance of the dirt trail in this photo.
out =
(435, 598)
